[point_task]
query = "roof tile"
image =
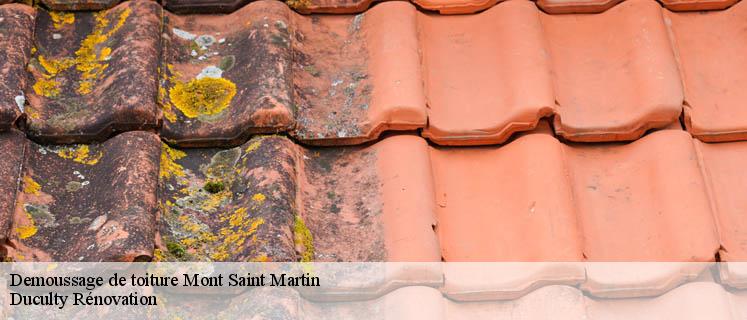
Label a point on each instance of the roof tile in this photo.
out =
(697, 5)
(16, 32)
(486, 75)
(75, 5)
(94, 73)
(456, 6)
(88, 202)
(615, 72)
(315, 199)
(712, 67)
(203, 6)
(13, 145)
(576, 6)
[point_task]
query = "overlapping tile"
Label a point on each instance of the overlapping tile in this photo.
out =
(94, 73)
(276, 201)
(712, 67)
(606, 202)
(615, 74)
(16, 32)
(87, 202)
(697, 5)
(456, 6)
(75, 5)
(13, 145)
(486, 75)
(576, 6)
(330, 79)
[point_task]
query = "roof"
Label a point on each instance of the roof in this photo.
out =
(520, 131)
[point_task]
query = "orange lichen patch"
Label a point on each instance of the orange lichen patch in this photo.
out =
(49, 88)
(258, 197)
(27, 228)
(91, 57)
(169, 168)
(60, 19)
(30, 186)
(206, 96)
(80, 154)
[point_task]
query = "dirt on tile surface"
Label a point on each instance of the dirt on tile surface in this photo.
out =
(16, 39)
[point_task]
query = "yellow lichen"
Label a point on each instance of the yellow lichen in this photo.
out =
(28, 229)
(303, 240)
(206, 96)
(80, 154)
(298, 4)
(60, 19)
(214, 200)
(258, 197)
(158, 255)
(240, 228)
(30, 186)
(254, 145)
(54, 66)
(49, 88)
(169, 168)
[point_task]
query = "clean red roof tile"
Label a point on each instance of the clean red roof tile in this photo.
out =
(243, 63)
(723, 167)
(74, 5)
(714, 71)
(615, 72)
(486, 75)
(94, 73)
(637, 205)
(16, 32)
(550, 302)
(88, 202)
(355, 76)
(13, 145)
(638, 279)
(697, 5)
(495, 204)
(286, 203)
(456, 6)
(576, 6)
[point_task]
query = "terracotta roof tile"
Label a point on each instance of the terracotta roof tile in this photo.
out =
(576, 6)
(74, 5)
(456, 6)
(615, 72)
(94, 73)
(304, 204)
(697, 5)
(16, 32)
(486, 75)
(711, 64)
(13, 145)
(203, 6)
(87, 202)
(330, 6)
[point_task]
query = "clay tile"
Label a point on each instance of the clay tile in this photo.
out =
(723, 167)
(549, 302)
(203, 6)
(94, 73)
(697, 5)
(242, 60)
(13, 145)
(287, 203)
(329, 6)
(576, 6)
(712, 66)
(88, 202)
(355, 76)
(615, 74)
(16, 32)
(486, 75)
(494, 204)
(456, 6)
(75, 5)
(638, 205)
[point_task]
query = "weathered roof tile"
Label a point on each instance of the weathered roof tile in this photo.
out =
(76, 5)
(13, 145)
(16, 32)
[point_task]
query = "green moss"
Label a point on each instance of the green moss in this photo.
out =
(214, 187)
(303, 240)
(175, 249)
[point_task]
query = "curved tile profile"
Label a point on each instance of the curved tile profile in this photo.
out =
(722, 165)
(639, 279)
(76, 5)
(203, 6)
(356, 76)
(456, 6)
(637, 205)
(226, 77)
(88, 202)
(697, 5)
(482, 217)
(712, 67)
(16, 33)
(329, 6)
(615, 74)
(14, 146)
(276, 201)
(576, 6)
(94, 73)
(486, 75)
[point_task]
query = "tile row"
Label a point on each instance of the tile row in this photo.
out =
(534, 199)
(331, 80)
(357, 6)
